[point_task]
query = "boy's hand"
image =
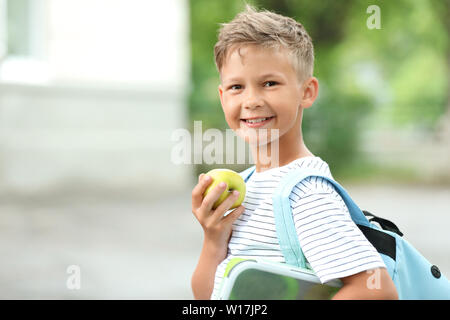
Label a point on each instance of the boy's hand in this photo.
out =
(216, 227)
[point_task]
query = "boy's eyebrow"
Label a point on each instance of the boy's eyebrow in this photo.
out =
(266, 75)
(232, 80)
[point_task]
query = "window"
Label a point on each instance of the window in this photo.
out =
(23, 40)
(18, 27)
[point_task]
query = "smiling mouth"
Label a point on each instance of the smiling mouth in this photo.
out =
(254, 123)
(257, 120)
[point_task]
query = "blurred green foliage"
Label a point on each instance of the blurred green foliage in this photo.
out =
(396, 75)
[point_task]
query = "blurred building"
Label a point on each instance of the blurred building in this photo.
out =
(425, 153)
(90, 93)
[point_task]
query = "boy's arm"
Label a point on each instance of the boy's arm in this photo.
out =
(217, 231)
(368, 285)
(202, 281)
(322, 212)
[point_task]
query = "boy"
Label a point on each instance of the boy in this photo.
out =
(265, 62)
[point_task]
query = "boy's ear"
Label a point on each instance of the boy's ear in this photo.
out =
(220, 88)
(310, 91)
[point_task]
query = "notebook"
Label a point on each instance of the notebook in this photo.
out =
(259, 279)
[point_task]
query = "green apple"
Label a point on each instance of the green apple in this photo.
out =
(234, 182)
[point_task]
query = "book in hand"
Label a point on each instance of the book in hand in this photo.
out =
(259, 279)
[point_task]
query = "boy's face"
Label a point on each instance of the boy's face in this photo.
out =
(261, 83)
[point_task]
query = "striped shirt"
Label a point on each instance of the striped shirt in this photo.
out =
(331, 242)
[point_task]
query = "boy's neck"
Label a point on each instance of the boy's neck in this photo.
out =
(287, 152)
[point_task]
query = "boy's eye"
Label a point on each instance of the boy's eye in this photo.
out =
(235, 87)
(270, 83)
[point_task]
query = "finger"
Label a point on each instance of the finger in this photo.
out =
(213, 196)
(226, 205)
(233, 215)
(199, 189)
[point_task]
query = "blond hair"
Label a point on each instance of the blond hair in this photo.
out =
(269, 30)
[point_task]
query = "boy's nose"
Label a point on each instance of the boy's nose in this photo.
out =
(252, 98)
(252, 104)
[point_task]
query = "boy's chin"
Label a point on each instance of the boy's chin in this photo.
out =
(258, 137)
(256, 141)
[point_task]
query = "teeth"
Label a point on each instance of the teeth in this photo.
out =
(257, 120)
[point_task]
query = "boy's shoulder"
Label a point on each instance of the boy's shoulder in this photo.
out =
(306, 186)
(314, 184)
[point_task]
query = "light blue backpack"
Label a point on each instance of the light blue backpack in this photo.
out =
(413, 275)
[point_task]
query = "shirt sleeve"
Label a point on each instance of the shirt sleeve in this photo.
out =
(331, 242)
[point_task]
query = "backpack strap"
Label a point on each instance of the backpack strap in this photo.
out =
(384, 223)
(284, 221)
(246, 174)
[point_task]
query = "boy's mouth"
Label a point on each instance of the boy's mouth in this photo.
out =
(257, 122)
